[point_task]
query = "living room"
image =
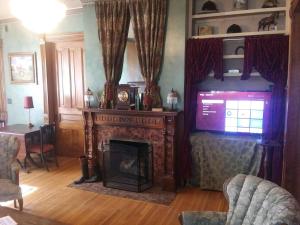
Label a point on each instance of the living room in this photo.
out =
(163, 91)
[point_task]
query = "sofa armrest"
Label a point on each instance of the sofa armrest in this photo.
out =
(202, 218)
(15, 173)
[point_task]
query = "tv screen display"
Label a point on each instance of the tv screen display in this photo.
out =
(231, 111)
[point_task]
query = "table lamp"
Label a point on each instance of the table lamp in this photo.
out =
(88, 97)
(172, 99)
(28, 104)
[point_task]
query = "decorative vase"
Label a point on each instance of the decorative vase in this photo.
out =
(240, 4)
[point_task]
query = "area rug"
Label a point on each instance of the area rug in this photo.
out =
(154, 194)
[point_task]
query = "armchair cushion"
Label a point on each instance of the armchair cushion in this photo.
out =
(203, 218)
(253, 200)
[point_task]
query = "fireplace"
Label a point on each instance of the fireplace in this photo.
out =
(128, 165)
(160, 129)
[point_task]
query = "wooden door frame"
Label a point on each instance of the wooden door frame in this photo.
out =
(3, 106)
(291, 169)
(49, 70)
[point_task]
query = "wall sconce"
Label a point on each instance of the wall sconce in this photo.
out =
(172, 99)
(28, 104)
(88, 98)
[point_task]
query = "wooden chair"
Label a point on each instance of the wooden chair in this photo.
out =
(45, 144)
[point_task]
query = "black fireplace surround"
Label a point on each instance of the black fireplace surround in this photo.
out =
(128, 165)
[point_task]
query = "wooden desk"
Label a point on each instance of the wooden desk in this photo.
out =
(22, 132)
(23, 218)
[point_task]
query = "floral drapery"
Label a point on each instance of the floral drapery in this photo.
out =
(149, 19)
(269, 56)
(113, 19)
(202, 57)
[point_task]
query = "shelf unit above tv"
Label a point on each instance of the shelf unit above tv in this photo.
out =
(247, 19)
(239, 13)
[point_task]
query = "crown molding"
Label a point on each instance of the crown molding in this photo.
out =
(9, 20)
(88, 2)
(69, 12)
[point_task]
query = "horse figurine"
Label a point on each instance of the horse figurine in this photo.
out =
(268, 21)
(270, 3)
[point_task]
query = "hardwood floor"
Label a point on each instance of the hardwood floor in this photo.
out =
(54, 200)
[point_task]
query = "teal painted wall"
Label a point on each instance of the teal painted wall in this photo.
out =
(172, 75)
(95, 77)
(17, 39)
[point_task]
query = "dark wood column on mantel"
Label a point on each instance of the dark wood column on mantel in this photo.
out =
(159, 128)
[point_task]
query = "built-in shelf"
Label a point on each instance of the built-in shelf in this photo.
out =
(240, 34)
(254, 74)
(233, 56)
(239, 13)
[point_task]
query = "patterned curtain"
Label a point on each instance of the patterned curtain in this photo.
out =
(149, 20)
(113, 19)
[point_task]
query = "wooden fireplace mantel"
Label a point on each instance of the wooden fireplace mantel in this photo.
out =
(158, 128)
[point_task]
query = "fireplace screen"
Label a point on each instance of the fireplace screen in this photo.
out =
(128, 165)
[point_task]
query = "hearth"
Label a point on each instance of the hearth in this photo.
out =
(128, 165)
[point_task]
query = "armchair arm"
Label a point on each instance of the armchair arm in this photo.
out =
(15, 173)
(202, 218)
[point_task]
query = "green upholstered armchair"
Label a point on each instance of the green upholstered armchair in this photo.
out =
(9, 171)
(252, 201)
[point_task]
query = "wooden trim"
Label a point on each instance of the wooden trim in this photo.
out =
(48, 54)
(3, 106)
(79, 36)
(243, 34)
(130, 112)
(238, 13)
(49, 70)
(295, 7)
(291, 169)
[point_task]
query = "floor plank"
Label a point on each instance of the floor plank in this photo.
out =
(54, 200)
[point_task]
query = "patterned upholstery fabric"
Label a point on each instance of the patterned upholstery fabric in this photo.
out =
(203, 218)
(9, 188)
(252, 201)
(218, 157)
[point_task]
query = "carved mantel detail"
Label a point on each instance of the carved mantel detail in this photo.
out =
(158, 128)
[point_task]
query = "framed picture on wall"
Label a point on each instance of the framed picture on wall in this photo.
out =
(22, 68)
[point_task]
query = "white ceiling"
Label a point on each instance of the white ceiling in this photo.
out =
(5, 11)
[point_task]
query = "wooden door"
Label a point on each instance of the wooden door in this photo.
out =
(69, 93)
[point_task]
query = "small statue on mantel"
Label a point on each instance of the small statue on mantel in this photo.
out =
(268, 21)
(270, 4)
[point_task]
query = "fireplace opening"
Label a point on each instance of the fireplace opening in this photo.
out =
(128, 165)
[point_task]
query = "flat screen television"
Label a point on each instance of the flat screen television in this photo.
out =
(233, 111)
